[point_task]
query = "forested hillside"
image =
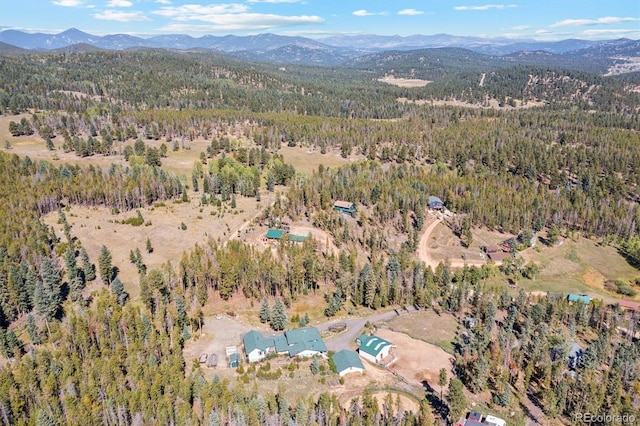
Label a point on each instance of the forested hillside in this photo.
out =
(76, 348)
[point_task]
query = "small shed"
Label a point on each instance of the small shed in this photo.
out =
(492, 249)
(298, 238)
(274, 234)
(499, 256)
(345, 207)
(435, 203)
(203, 358)
(212, 360)
(234, 360)
(347, 362)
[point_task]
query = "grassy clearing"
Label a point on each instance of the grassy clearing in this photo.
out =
(428, 326)
(305, 161)
(580, 266)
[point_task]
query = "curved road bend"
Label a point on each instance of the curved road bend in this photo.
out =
(354, 329)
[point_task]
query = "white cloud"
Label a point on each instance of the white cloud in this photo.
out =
(411, 12)
(163, 1)
(68, 3)
(605, 21)
(273, 1)
(485, 7)
(363, 12)
(119, 3)
(189, 12)
(520, 27)
(114, 15)
(226, 17)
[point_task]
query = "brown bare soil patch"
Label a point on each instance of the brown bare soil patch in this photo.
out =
(418, 361)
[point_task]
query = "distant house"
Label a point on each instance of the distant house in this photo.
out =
(435, 203)
(575, 355)
(345, 207)
(301, 342)
(373, 348)
(494, 421)
(581, 298)
(298, 238)
(628, 305)
(274, 234)
(347, 362)
(492, 249)
(499, 256)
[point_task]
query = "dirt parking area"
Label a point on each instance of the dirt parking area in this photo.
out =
(417, 361)
(216, 336)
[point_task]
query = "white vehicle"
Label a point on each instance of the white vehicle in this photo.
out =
(494, 421)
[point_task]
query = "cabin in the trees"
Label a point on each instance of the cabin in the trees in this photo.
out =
(579, 298)
(301, 342)
(373, 348)
(274, 234)
(575, 355)
(628, 305)
(435, 203)
(345, 207)
(347, 362)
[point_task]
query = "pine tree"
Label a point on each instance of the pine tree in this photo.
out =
(149, 246)
(88, 268)
(456, 399)
(315, 366)
(47, 293)
(32, 330)
(214, 419)
(117, 288)
(278, 316)
(304, 320)
(70, 262)
(265, 312)
(442, 380)
(104, 265)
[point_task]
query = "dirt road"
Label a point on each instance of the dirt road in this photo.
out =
(425, 256)
(354, 328)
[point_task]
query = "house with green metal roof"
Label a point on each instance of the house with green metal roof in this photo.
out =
(347, 362)
(582, 298)
(257, 347)
(274, 234)
(301, 342)
(373, 348)
(305, 342)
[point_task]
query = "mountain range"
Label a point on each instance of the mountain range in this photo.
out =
(358, 50)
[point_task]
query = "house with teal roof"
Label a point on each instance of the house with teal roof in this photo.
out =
(300, 342)
(373, 348)
(347, 362)
(581, 298)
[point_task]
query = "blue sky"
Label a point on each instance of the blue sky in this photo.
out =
(539, 19)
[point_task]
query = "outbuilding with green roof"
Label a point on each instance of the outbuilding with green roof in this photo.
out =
(347, 362)
(373, 348)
